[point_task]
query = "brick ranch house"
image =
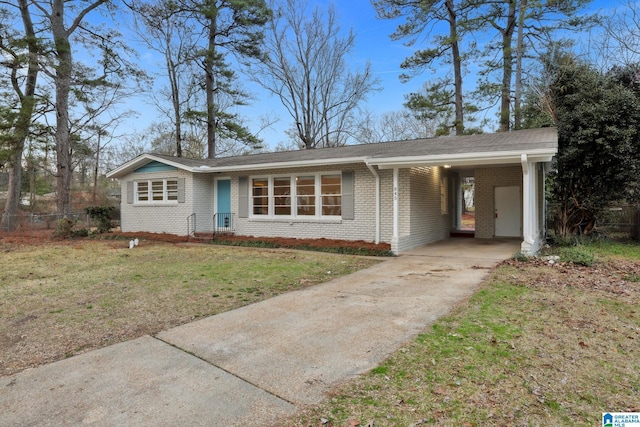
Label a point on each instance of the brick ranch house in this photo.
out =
(405, 193)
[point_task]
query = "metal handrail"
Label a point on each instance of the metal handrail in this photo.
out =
(223, 222)
(191, 225)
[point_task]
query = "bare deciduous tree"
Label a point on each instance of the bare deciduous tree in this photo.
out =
(305, 67)
(167, 28)
(392, 126)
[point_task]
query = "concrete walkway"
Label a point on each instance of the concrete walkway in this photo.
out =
(254, 365)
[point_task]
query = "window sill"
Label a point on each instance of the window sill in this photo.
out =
(297, 220)
(145, 204)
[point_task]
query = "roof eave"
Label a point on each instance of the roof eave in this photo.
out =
(279, 165)
(466, 159)
(140, 161)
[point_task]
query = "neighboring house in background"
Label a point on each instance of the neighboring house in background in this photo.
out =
(405, 193)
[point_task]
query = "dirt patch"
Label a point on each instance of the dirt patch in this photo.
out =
(317, 243)
(40, 237)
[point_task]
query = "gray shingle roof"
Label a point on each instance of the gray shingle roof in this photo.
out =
(482, 144)
(522, 140)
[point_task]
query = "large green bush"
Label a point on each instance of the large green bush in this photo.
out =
(101, 214)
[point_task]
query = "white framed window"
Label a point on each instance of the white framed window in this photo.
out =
(156, 190)
(316, 195)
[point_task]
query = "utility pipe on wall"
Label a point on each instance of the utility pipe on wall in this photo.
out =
(377, 176)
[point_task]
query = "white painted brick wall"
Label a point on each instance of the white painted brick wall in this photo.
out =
(201, 190)
(422, 221)
(361, 228)
(157, 218)
(486, 179)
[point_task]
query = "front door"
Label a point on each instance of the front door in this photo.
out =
(223, 203)
(507, 212)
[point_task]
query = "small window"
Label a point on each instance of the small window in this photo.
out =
(142, 191)
(172, 189)
(157, 190)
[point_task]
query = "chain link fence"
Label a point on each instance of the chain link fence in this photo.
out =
(31, 223)
(619, 221)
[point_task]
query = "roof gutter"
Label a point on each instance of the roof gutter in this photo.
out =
(278, 165)
(466, 159)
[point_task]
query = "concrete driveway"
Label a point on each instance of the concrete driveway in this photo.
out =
(254, 365)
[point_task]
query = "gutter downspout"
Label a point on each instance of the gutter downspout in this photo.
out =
(375, 173)
(395, 239)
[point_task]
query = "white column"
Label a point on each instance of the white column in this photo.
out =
(529, 205)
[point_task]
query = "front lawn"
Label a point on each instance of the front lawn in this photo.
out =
(58, 299)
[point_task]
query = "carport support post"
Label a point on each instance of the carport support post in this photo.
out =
(396, 227)
(529, 206)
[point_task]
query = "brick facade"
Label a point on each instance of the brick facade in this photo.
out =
(421, 219)
(362, 227)
(158, 217)
(486, 179)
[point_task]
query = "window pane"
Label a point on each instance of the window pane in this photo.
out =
(157, 190)
(331, 195)
(282, 196)
(143, 191)
(331, 205)
(331, 184)
(260, 196)
(306, 205)
(306, 200)
(172, 189)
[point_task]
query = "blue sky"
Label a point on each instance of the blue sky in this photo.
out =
(372, 44)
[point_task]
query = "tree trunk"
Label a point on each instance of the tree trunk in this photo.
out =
(63, 84)
(175, 98)
(23, 122)
(63, 73)
(457, 67)
(517, 113)
(95, 170)
(210, 83)
(507, 67)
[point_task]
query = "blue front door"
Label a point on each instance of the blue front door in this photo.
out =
(223, 188)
